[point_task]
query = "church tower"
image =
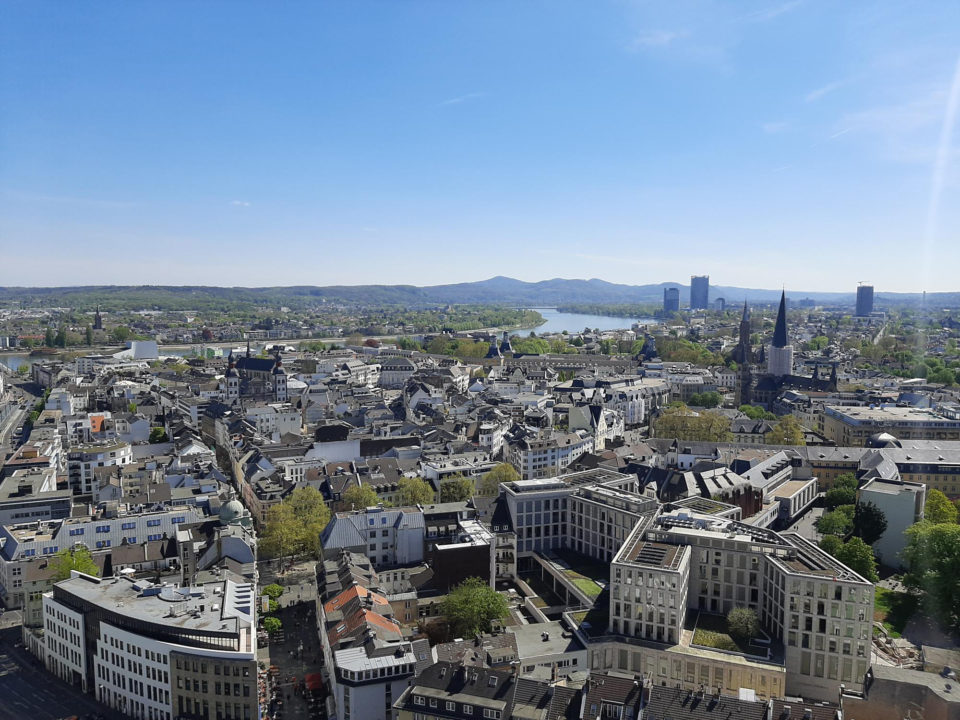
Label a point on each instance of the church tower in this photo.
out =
(780, 352)
(232, 381)
(98, 319)
(279, 380)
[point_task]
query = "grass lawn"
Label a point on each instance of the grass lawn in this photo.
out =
(711, 631)
(585, 565)
(894, 609)
(595, 619)
(587, 586)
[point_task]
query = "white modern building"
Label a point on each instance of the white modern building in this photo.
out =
(155, 652)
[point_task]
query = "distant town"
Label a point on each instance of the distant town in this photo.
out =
(496, 499)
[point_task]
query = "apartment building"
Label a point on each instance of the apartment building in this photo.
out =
(84, 459)
(550, 455)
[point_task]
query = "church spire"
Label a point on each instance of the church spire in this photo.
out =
(780, 330)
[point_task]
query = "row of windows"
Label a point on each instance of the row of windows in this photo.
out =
(451, 706)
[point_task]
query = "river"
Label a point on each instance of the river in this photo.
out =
(556, 322)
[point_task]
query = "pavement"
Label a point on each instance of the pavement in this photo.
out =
(27, 690)
(299, 653)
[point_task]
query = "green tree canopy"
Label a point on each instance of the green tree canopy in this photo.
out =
(939, 509)
(456, 489)
(932, 556)
(869, 522)
(273, 591)
(472, 606)
(787, 431)
(360, 496)
(76, 558)
(858, 556)
(835, 522)
(282, 535)
(415, 491)
(831, 544)
(755, 412)
(743, 623)
(158, 435)
(272, 624)
(678, 421)
(709, 399)
(502, 473)
(843, 492)
(311, 514)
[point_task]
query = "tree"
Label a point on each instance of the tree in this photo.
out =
(131, 407)
(360, 496)
(158, 435)
(472, 606)
(48, 337)
(932, 555)
(680, 422)
(834, 523)
(787, 431)
(831, 544)
(272, 624)
(23, 369)
(273, 591)
(843, 492)
(120, 333)
(939, 509)
(502, 473)
(311, 515)
(869, 522)
(858, 556)
(754, 412)
(282, 534)
(415, 491)
(456, 489)
(61, 338)
(76, 558)
(709, 399)
(742, 623)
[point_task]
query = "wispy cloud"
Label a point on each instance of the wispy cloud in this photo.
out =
(773, 11)
(839, 133)
(774, 128)
(240, 203)
(656, 39)
(65, 199)
(815, 95)
(462, 99)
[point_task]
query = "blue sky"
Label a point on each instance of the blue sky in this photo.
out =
(798, 143)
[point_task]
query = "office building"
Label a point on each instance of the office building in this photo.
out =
(699, 292)
(155, 652)
(864, 300)
(671, 300)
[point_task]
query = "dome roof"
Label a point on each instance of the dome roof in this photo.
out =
(882, 440)
(231, 512)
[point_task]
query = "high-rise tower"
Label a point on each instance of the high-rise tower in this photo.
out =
(864, 300)
(699, 292)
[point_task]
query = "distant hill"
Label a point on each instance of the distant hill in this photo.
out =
(496, 290)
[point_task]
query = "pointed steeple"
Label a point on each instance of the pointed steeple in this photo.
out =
(746, 312)
(780, 330)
